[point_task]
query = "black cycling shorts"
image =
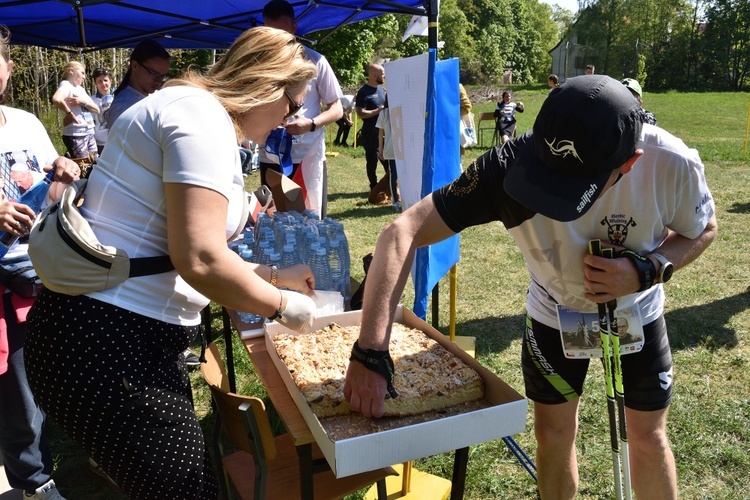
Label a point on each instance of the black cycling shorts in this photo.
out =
(551, 378)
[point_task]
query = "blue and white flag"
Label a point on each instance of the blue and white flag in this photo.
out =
(426, 143)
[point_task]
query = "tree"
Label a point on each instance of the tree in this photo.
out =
(726, 42)
(543, 19)
(351, 48)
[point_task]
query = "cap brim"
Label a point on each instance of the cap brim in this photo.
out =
(560, 197)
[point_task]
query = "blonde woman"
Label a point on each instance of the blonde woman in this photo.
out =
(169, 182)
(79, 110)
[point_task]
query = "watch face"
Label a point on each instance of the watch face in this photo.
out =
(666, 272)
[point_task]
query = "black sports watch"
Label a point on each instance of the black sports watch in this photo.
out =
(666, 270)
(313, 126)
(644, 265)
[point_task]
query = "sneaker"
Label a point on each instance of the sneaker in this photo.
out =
(100, 472)
(396, 206)
(47, 491)
(191, 359)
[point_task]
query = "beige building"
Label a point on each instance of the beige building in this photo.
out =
(569, 58)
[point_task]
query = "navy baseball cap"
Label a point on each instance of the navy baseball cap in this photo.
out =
(587, 127)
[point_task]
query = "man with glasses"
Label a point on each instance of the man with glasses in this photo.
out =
(149, 66)
(306, 120)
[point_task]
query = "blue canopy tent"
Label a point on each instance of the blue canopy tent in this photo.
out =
(185, 24)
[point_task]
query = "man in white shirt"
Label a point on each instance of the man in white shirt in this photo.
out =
(307, 126)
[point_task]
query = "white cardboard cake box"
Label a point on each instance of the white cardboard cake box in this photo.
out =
(505, 416)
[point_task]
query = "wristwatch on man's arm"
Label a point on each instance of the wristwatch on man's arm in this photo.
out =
(665, 268)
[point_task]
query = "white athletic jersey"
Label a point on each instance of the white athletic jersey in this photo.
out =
(666, 189)
(25, 150)
(324, 88)
(158, 140)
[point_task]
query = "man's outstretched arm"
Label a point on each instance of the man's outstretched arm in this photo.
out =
(419, 226)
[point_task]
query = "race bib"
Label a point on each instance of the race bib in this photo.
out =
(580, 333)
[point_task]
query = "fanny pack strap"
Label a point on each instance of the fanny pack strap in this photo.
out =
(144, 266)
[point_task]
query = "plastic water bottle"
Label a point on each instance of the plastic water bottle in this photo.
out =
(34, 197)
(336, 266)
(343, 247)
(274, 259)
(289, 257)
(256, 159)
(248, 236)
(319, 265)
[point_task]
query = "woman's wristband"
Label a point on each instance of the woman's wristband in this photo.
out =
(278, 312)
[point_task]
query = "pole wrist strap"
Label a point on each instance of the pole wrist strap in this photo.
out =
(378, 361)
(644, 265)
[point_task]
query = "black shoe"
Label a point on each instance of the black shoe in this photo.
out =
(191, 359)
(344, 145)
(337, 143)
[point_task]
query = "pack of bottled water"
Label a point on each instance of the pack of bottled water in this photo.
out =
(285, 239)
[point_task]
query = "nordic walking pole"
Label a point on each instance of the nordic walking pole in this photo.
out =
(595, 248)
(614, 335)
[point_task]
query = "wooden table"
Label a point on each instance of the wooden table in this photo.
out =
(292, 418)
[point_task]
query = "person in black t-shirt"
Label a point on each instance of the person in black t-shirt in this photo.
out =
(370, 102)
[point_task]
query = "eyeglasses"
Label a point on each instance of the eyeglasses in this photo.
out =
(155, 75)
(294, 106)
(101, 72)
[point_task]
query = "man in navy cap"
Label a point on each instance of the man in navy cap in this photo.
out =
(590, 169)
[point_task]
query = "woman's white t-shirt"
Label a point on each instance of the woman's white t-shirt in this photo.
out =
(85, 125)
(177, 135)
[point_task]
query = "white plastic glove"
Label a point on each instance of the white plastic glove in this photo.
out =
(299, 313)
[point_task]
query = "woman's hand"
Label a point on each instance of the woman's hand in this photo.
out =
(16, 218)
(299, 312)
(75, 100)
(298, 277)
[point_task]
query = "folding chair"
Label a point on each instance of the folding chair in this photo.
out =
(487, 117)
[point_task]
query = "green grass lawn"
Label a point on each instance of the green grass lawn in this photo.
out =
(708, 313)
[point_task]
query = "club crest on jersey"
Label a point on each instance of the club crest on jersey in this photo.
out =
(617, 228)
(563, 148)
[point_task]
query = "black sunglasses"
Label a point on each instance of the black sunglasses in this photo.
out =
(294, 107)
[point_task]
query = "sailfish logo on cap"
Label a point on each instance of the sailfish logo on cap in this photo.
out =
(563, 148)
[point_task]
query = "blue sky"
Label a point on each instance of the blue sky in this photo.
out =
(571, 5)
